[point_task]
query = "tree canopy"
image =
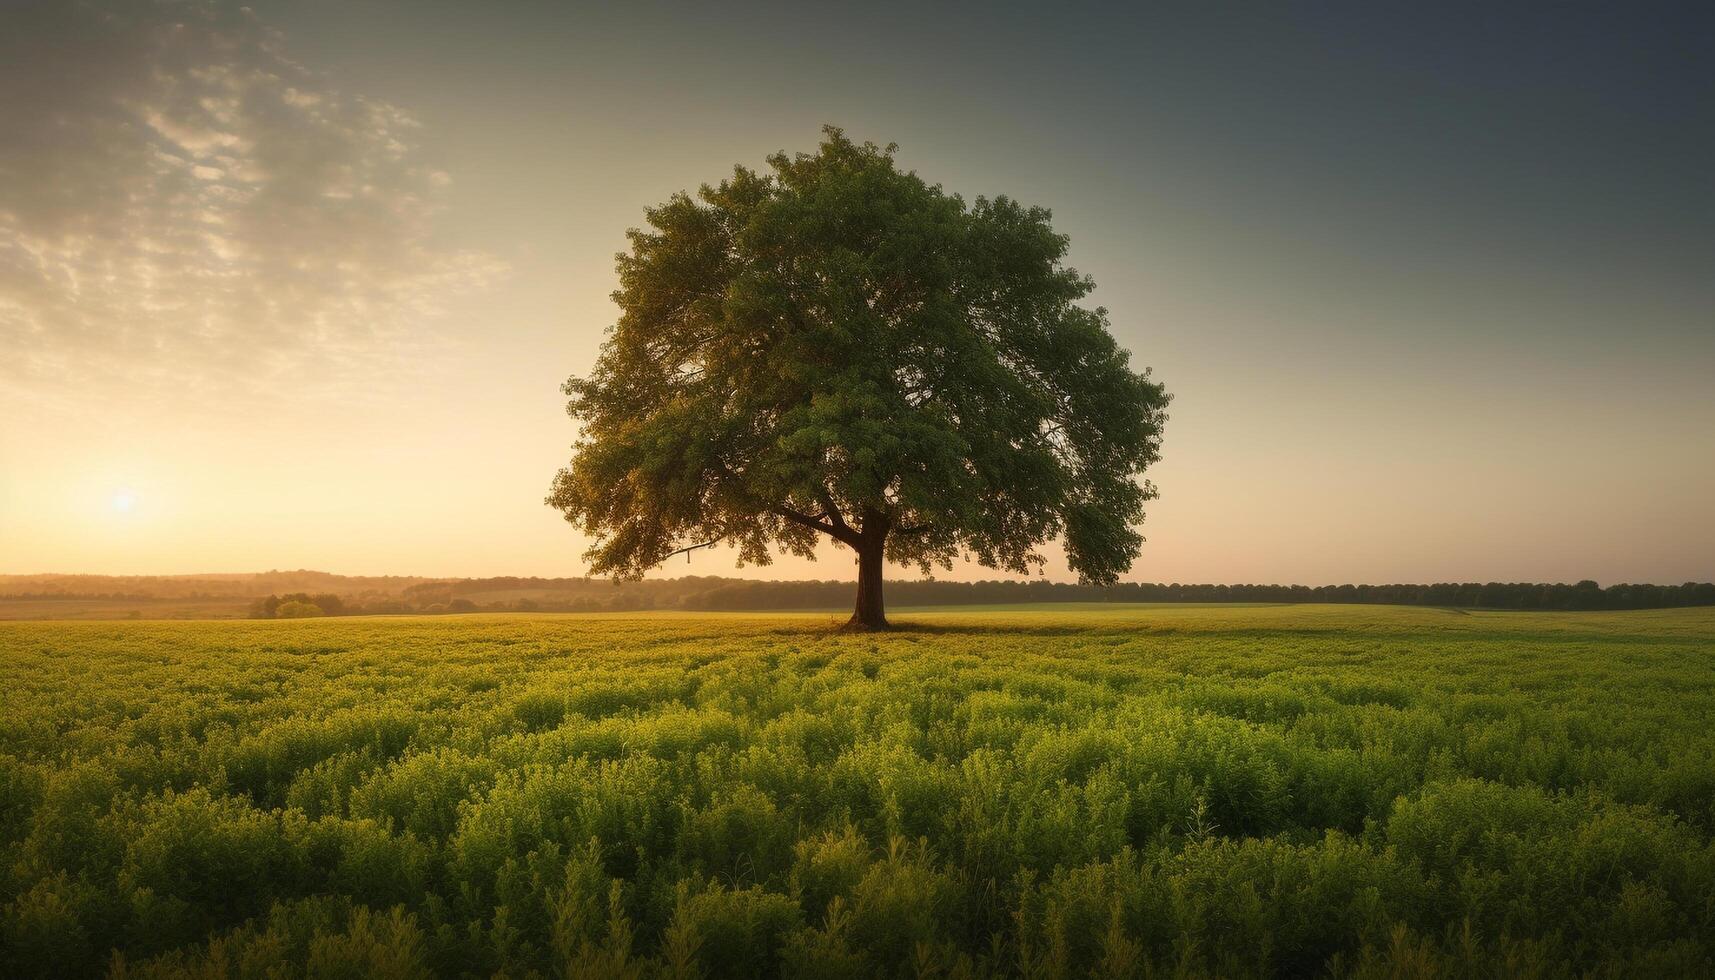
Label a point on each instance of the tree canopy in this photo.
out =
(836, 347)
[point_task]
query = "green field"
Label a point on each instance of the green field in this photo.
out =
(1123, 791)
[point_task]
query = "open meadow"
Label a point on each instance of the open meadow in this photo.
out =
(1110, 790)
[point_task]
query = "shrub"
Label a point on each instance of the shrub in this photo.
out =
(298, 610)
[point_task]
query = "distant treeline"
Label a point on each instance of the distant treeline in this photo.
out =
(1491, 595)
(713, 594)
(324, 593)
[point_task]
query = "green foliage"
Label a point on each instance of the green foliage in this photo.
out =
(297, 605)
(837, 347)
(1131, 791)
(297, 610)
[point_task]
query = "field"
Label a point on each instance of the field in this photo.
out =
(135, 608)
(1119, 791)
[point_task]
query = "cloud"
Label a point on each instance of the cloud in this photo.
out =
(183, 205)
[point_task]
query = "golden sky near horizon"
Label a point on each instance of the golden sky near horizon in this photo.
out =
(297, 288)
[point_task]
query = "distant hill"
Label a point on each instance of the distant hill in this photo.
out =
(200, 596)
(244, 585)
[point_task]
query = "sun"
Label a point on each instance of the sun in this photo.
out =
(124, 501)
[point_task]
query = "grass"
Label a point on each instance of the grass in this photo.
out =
(1122, 791)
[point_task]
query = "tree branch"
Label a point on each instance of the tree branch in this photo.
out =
(686, 551)
(841, 533)
(833, 510)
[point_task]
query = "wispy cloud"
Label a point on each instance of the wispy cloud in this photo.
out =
(182, 204)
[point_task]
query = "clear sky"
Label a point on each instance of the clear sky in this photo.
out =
(1431, 284)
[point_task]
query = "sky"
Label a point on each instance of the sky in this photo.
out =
(294, 285)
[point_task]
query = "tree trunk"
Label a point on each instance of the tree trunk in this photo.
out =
(870, 613)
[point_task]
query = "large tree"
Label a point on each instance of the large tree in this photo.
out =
(836, 348)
